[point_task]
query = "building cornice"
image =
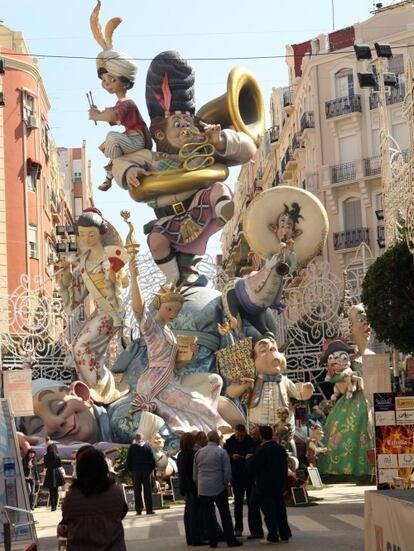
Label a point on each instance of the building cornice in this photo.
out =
(30, 69)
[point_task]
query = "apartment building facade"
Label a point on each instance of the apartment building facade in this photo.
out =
(325, 136)
(41, 186)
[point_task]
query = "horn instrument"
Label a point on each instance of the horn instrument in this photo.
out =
(241, 107)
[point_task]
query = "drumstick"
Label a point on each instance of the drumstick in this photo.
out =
(90, 101)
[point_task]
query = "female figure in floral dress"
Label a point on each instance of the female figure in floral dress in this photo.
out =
(100, 276)
(347, 432)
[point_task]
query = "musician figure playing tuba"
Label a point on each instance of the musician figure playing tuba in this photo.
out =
(185, 218)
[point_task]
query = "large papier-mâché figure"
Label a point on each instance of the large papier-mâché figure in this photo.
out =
(183, 180)
(100, 276)
(185, 402)
(271, 389)
(287, 227)
(347, 431)
(117, 72)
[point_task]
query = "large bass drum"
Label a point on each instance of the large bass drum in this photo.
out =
(264, 212)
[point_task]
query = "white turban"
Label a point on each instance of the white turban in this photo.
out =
(117, 64)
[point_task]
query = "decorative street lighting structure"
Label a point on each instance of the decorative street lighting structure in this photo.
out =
(396, 173)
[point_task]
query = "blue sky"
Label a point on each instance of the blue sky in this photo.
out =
(212, 29)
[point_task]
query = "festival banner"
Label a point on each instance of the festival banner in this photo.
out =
(18, 391)
(394, 440)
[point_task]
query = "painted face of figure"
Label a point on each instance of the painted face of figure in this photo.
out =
(359, 323)
(63, 416)
(89, 237)
(157, 442)
(177, 130)
(112, 84)
(284, 227)
(168, 311)
(268, 360)
(338, 361)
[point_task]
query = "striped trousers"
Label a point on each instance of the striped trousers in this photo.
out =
(118, 144)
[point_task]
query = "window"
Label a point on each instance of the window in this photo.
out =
(31, 181)
(352, 214)
(77, 176)
(344, 83)
(78, 206)
(33, 242)
(28, 105)
(45, 136)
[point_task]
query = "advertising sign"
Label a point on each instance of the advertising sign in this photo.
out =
(18, 391)
(13, 492)
(394, 440)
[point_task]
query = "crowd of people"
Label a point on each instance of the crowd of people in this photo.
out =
(251, 466)
(254, 466)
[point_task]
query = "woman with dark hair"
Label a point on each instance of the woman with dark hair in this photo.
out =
(53, 477)
(188, 488)
(31, 474)
(100, 275)
(94, 507)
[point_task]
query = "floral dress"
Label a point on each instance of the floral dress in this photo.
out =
(160, 389)
(347, 436)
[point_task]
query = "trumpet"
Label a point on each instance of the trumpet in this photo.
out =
(282, 267)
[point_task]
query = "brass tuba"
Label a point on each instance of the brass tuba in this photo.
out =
(241, 107)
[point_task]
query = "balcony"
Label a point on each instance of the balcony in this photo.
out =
(343, 173)
(287, 98)
(372, 166)
(396, 95)
(350, 238)
(297, 142)
(307, 121)
(273, 134)
(343, 106)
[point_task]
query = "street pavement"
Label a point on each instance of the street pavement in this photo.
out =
(336, 522)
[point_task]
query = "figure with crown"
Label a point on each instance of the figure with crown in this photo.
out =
(161, 389)
(99, 275)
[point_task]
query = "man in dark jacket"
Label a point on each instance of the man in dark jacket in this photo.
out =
(141, 463)
(239, 446)
(270, 470)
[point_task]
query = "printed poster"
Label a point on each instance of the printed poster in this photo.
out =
(394, 440)
(18, 391)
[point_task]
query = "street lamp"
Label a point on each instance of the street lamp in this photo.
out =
(66, 239)
(362, 51)
(383, 50)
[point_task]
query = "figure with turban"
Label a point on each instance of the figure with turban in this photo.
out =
(117, 72)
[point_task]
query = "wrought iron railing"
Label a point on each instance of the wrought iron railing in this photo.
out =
(350, 238)
(343, 172)
(343, 106)
(307, 120)
(273, 134)
(372, 166)
(287, 98)
(396, 95)
(297, 141)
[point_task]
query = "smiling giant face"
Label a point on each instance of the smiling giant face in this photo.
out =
(64, 414)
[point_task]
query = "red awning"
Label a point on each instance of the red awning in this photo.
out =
(34, 167)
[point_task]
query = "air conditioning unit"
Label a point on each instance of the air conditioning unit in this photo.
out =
(32, 122)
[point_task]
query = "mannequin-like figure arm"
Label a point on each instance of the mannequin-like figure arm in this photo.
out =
(138, 303)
